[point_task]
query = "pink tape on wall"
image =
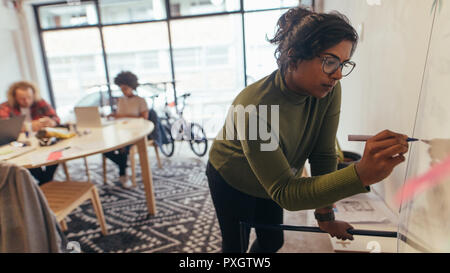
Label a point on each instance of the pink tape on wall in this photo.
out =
(431, 178)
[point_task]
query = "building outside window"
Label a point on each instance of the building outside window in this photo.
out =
(75, 64)
(209, 48)
(63, 15)
(125, 11)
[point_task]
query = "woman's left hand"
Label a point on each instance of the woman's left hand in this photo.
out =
(337, 229)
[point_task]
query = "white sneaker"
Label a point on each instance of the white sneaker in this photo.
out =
(126, 183)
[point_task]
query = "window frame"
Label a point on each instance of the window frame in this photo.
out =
(100, 25)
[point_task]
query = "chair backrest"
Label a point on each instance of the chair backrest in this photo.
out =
(156, 134)
(27, 225)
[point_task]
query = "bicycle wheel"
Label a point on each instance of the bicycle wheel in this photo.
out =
(198, 141)
(167, 147)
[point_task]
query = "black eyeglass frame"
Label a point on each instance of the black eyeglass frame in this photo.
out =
(341, 65)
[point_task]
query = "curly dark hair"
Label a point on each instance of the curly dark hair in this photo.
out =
(126, 78)
(303, 34)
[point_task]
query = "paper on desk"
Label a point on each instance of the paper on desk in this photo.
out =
(9, 152)
(359, 211)
(6, 150)
(356, 212)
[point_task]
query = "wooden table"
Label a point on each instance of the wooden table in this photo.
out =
(122, 133)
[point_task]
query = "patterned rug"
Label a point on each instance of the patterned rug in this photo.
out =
(185, 221)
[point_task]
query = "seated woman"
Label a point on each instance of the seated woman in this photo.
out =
(128, 106)
(24, 99)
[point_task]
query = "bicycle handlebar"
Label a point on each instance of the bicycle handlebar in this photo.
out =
(185, 95)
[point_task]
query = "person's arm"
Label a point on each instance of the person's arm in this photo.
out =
(117, 114)
(46, 110)
(144, 115)
(323, 158)
(298, 193)
(36, 125)
(43, 115)
(294, 193)
(143, 108)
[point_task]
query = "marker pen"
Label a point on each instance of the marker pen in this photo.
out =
(366, 137)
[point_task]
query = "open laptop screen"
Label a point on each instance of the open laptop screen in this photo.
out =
(10, 129)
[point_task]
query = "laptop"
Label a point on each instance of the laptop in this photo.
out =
(10, 129)
(89, 116)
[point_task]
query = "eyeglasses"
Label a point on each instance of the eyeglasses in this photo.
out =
(331, 64)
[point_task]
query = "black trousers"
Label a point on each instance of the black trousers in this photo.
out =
(120, 157)
(233, 206)
(44, 174)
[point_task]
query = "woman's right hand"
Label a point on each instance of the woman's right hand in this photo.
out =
(382, 153)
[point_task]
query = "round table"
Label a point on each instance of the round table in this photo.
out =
(121, 133)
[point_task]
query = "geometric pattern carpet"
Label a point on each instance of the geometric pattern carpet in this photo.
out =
(185, 222)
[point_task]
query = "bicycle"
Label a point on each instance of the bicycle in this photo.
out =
(179, 129)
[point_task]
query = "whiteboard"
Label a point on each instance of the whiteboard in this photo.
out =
(425, 221)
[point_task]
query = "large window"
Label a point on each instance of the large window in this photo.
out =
(125, 11)
(196, 7)
(140, 48)
(209, 48)
(75, 64)
(63, 15)
(208, 61)
(269, 4)
(259, 27)
(208, 51)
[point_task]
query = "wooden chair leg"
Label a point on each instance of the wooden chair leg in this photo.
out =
(104, 170)
(66, 171)
(87, 169)
(63, 225)
(132, 156)
(158, 159)
(95, 199)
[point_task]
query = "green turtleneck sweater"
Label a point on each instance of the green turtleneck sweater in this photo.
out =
(307, 130)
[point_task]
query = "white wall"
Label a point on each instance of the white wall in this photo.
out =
(33, 48)
(383, 91)
(10, 58)
(19, 49)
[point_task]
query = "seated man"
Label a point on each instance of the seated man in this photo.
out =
(24, 99)
(128, 106)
